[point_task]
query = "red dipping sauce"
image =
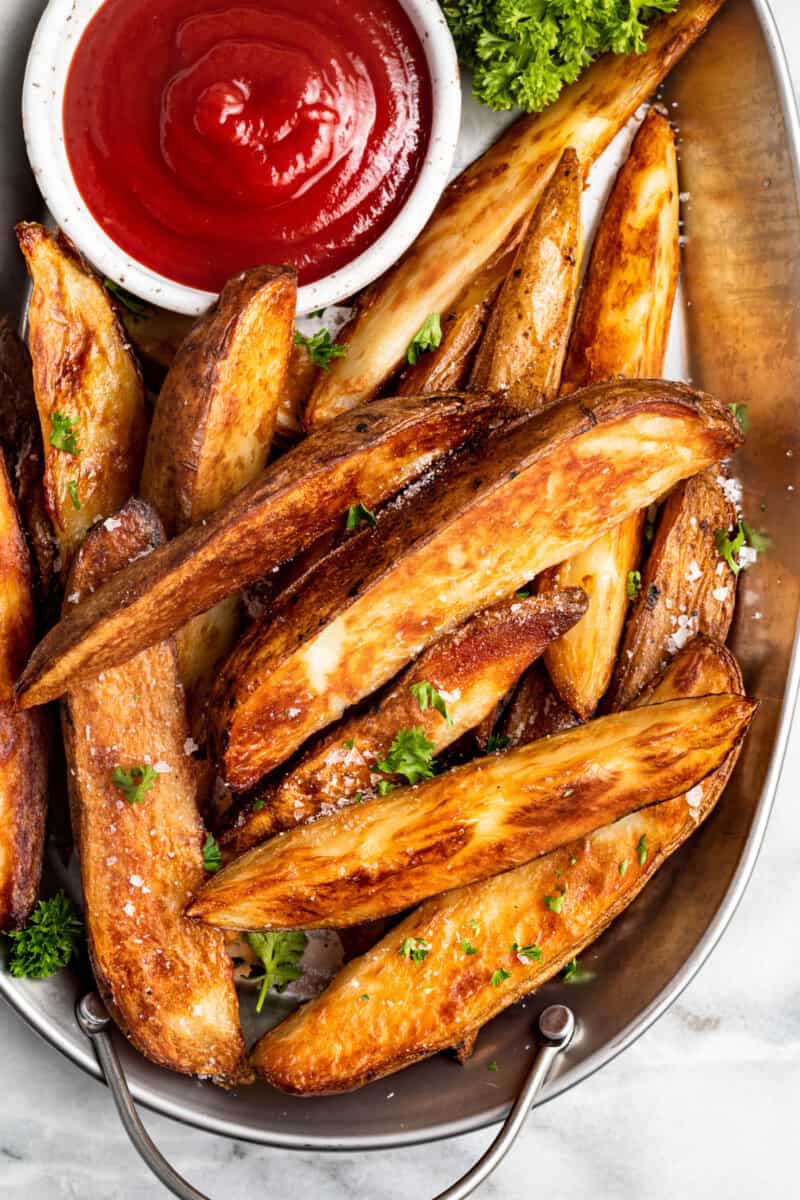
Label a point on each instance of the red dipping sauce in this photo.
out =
(208, 137)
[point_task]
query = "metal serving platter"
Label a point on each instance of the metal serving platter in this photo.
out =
(737, 334)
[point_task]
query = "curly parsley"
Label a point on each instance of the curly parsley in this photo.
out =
(51, 939)
(321, 348)
(427, 337)
(415, 949)
(280, 955)
(134, 782)
(410, 755)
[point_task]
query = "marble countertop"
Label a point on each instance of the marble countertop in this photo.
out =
(705, 1104)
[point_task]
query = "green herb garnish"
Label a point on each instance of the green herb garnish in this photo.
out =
(410, 755)
(499, 976)
(135, 782)
(321, 348)
(348, 743)
(554, 903)
(740, 413)
(427, 337)
(259, 804)
(415, 949)
(496, 742)
(641, 850)
(212, 855)
(531, 952)
(633, 584)
(357, 513)
(384, 786)
(72, 488)
(280, 955)
(623, 866)
(759, 541)
(139, 308)
(427, 697)
(468, 948)
(728, 547)
(570, 971)
(51, 939)
(64, 433)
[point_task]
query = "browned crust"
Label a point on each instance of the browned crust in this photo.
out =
(215, 416)
(681, 576)
(378, 858)
(83, 368)
(478, 531)
(535, 710)
(472, 668)
(339, 1042)
(523, 348)
(168, 985)
(367, 456)
(480, 208)
(23, 736)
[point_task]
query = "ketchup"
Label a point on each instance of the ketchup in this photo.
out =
(208, 137)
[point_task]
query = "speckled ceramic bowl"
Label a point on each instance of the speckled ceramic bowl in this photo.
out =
(60, 29)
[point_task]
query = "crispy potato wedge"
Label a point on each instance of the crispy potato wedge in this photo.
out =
(480, 208)
(367, 456)
(535, 710)
(522, 351)
(491, 815)
(470, 669)
(339, 1041)
(167, 983)
(512, 506)
(23, 736)
(580, 667)
(621, 329)
(89, 391)
(215, 416)
(21, 443)
(686, 588)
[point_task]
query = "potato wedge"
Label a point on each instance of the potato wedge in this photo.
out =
(155, 333)
(686, 588)
(500, 513)
(580, 667)
(167, 983)
(535, 710)
(522, 351)
(367, 456)
(621, 329)
(89, 391)
(470, 669)
(482, 206)
(23, 736)
(339, 1041)
(490, 815)
(215, 415)
(21, 444)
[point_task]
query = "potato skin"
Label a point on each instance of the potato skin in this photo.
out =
(339, 1042)
(522, 351)
(476, 533)
(375, 859)
(367, 456)
(215, 415)
(535, 710)
(168, 985)
(621, 329)
(23, 735)
(83, 368)
(480, 208)
(472, 668)
(687, 587)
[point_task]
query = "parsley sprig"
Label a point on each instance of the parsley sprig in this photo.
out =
(415, 949)
(410, 755)
(427, 697)
(64, 433)
(633, 584)
(134, 782)
(427, 337)
(495, 743)
(357, 513)
(280, 955)
(51, 939)
(212, 855)
(321, 348)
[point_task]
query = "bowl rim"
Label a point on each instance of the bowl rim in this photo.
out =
(61, 27)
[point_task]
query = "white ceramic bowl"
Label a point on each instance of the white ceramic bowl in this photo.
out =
(60, 29)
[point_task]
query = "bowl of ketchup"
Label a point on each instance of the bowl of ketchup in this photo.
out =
(179, 142)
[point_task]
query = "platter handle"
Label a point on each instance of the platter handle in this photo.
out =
(556, 1027)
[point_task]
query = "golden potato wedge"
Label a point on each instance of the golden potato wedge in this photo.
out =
(21, 444)
(481, 207)
(155, 333)
(535, 710)
(340, 1041)
(491, 815)
(470, 669)
(368, 456)
(580, 667)
(89, 391)
(621, 329)
(23, 735)
(167, 983)
(504, 510)
(522, 351)
(686, 587)
(215, 415)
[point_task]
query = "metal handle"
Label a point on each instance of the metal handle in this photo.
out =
(556, 1027)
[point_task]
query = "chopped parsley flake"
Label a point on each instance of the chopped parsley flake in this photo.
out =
(740, 413)
(499, 976)
(384, 786)
(623, 866)
(633, 584)
(468, 948)
(357, 513)
(495, 743)
(348, 744)
(415, 949)
(139, 308)
(134, 782)
(427, 337)
(64, 433)
(212, 855)
(554, 903)
(570, 971)
(641, 850)
(321, 348)
(529, 952)
(492, 1066)
(522, 594)
(427, 697)
(259, 804)
(72, 488)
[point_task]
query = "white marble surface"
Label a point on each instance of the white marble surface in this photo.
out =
(707, 1104)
